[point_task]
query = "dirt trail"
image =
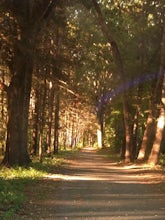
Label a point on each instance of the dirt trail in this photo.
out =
(92, 187)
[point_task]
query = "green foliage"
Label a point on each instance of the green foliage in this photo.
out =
(12, 184)
(114, 129)
(11, 199)
(14, 180)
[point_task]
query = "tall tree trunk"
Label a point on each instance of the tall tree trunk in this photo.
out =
(119, 65)
(35, 124)
(154, 155)
(42, 121)
(147, 137)
(149, 132)
(18, 107)
(50, 119)
(56, 123)
(3, 115)
(100, 130)
(135, 134)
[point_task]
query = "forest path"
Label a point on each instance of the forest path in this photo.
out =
(92, 187)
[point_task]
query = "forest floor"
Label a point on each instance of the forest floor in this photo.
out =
(90, 186)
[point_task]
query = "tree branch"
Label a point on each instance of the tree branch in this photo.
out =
(111, 40)
(119, 64)
(46, 13)
(48, 10)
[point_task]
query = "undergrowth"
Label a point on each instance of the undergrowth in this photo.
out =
(14, 180)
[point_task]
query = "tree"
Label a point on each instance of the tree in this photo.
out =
(154, 23)
(155, 151)
(24, 14)
(120, 68)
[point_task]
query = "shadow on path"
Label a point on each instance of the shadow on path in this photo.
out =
(94, 188)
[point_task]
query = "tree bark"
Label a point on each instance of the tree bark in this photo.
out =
(154, 155)
(3, 115)
(50, 119)
(42, 121)
(18, 108)
(100, 130)
(56, 123)
(147, 137)
(35, 124)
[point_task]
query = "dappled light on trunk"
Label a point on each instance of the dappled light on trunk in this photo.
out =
(146, 136)
(153, 159)
(127, 156)
(99, 138)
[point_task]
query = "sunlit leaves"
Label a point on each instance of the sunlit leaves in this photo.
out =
(72, 29)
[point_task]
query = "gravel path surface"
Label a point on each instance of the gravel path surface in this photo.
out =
(91, 187)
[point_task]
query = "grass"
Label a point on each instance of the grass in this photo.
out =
(14, 180)
(12, 185)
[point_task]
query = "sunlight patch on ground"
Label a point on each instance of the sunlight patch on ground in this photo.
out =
(72, 177)
(88, 149)
(134, 166)
(128, 179)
